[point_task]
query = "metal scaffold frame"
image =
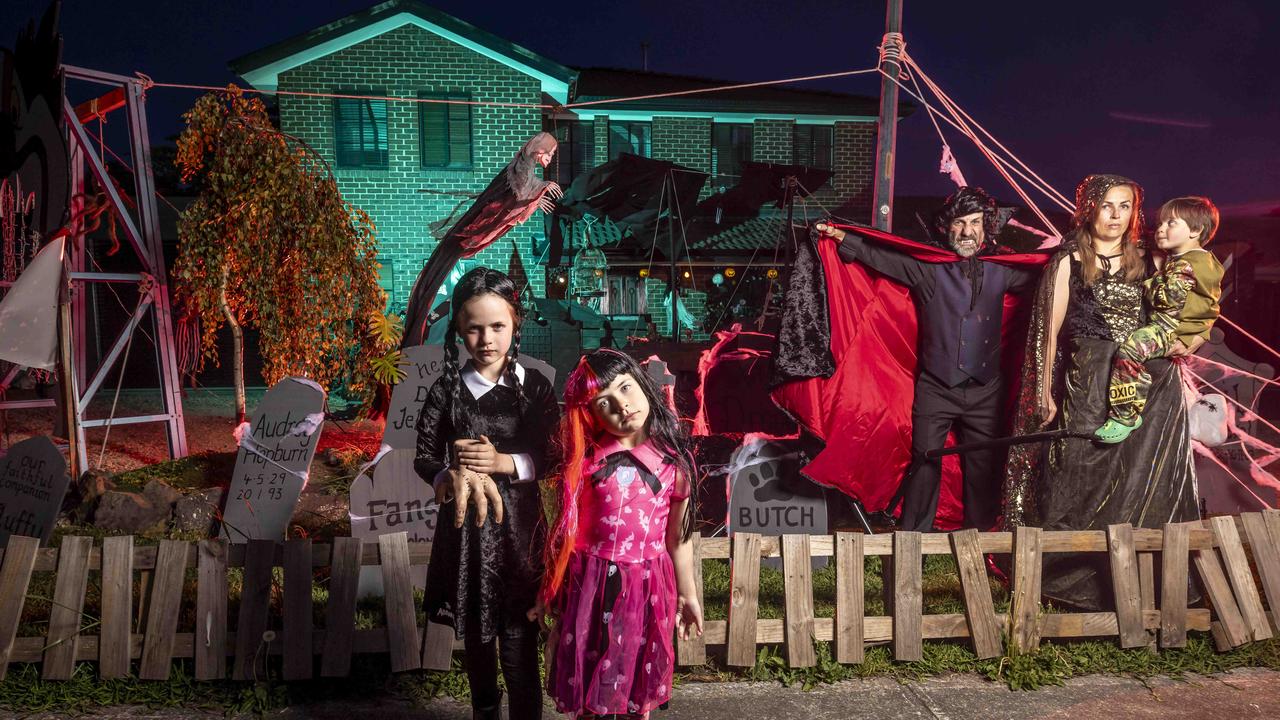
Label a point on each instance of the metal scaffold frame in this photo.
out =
(143, 236)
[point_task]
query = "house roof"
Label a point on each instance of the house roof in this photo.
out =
(262, 68)
(595, 84)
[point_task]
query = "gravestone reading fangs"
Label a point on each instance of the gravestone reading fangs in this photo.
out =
(424, 364)
(273, 461)
(390, 499)
(33, 480)
(768, 495)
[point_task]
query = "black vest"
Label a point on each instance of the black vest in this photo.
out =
(960, 334)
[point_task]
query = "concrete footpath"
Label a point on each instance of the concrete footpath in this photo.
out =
(1238, 695)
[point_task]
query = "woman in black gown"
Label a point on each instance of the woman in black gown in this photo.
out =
(1090, 298)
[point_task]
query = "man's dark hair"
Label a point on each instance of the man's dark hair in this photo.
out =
(967, 201)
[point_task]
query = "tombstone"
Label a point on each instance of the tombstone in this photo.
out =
(425, 363)
(33, 481)
(388, 499)
(273, 461)
(768, 496)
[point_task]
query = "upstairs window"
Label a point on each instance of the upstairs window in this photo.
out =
(630, 137)
(576, 152)
(730, 148)
(360, 131)
(444, 131)
(812, 146)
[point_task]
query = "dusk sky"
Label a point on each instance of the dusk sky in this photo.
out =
(1182, 95)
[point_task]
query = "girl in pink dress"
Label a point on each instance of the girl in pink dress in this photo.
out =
(619, 562)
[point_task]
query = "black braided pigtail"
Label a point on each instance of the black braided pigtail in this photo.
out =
(517, 312)
(453, 381)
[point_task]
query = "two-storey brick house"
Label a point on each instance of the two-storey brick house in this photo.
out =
(409, 163)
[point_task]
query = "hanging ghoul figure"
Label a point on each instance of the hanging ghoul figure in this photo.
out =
(510, 199)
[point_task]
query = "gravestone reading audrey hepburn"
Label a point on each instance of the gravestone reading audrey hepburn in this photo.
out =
(33, 481)
(768, 496)
(274, 458)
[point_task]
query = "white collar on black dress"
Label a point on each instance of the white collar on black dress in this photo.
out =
(480, 385)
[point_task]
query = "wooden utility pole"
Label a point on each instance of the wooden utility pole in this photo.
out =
(887, 137)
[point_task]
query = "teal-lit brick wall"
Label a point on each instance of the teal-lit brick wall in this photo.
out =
(771, 141)
(404, 62)
(855, 161)
(600, 136)
(410, 60)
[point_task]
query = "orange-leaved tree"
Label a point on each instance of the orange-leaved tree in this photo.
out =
(270, 243)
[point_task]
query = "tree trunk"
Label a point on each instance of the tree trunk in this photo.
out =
(237, 349)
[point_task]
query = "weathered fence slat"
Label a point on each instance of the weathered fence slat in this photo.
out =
(255, 604)
(797, 594)
(340, 614)
(299, 659)
(1266, 555)
(162, 620)
(1125, 580)
(402, 628)
(1025, 603)
(1271, 518)
(979, 608)
(211, 610)
(850, 602)
(437, 646)
(117, 607)
(1174, 560)
(1220, 640)
(68, 605)
(1234, 631)
(1147, 588)
(1241, 577)
(908, 597)
(693, 650)
(744, 598)
(15, 578)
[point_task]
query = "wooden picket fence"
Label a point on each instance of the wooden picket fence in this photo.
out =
(1216, 548)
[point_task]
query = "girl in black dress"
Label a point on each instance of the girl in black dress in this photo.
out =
(483, 438)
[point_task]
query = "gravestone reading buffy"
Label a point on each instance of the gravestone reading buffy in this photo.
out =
(767, 494)
(390, 499)
(424, 365)
(33, 481)
(273, 461)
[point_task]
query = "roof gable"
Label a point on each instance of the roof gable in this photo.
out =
(262, 68)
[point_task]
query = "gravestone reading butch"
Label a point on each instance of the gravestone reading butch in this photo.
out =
(271, 467)
(768, 496)
(33, 481)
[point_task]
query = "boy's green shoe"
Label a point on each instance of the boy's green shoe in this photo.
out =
(1115, 431)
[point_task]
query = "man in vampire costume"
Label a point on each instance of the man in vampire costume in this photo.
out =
(929, 322)
(511, 198)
